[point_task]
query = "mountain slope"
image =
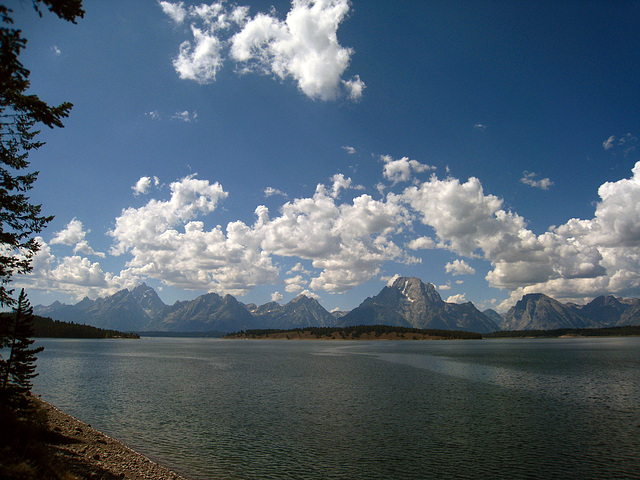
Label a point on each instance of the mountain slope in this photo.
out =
(125, 310)
(209, 312)
(300, 312)
(537, 311)
(410, 302)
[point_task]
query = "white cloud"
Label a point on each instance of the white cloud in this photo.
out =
(143, 185)
(270, 192)
(303, 47)
(340, 182)
(299, 268)
(528, 178)
(185, 116)
(154, 115)
(575, 261)
(294, 284)
(310, 294)
(349, 150)
(74, 275)
(276, 297)
(176, 11)
(480, 126)
(56, 51)
(355, 87)
(199, 62)
(625, 143)
(347, 242)
(458, 298)
(400, 170)
(459, 267)
(421, 243)
(464, 219)
(608, 143)
(74, 234)
(189, 197)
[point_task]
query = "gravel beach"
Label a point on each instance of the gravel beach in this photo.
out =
(87, 453)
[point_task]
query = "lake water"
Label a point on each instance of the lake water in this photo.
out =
(234, 409)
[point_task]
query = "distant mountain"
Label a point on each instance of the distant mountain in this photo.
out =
(411, 303)
(610, 311)
(537, 311)
(493, 315)
(300, 312)
(127, 310)
(408, 302)
(209, 312)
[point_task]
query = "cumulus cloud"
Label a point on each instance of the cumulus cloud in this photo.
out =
(73, 275)
(346, 242)
(401, 170)
(421, 243)
(143, 185)
(176, 11)
(189, 197)
(355, 87)
(310, 294)
(573, 262)
(459, 267)
(528, 178)
(74, 235)
(270, 192)
(294, 284)
(458, 298)
(276, 297)
(303, 47)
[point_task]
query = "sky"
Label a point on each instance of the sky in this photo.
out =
(266, 149)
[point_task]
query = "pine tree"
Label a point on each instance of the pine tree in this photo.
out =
(19, 368)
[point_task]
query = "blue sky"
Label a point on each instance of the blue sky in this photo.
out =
(268, 149)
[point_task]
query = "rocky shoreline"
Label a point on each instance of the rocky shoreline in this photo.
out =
(86, 453)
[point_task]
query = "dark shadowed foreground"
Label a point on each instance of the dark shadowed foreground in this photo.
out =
(80, 451)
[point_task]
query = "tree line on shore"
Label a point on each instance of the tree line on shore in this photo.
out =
(359, 330)
(625, 331)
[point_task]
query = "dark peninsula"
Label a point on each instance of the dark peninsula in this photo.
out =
(358, 332)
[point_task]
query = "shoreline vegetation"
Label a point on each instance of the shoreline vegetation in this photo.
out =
(626, 331)
(359, 332)
(385, 332)
(48, 328)
(55, 445)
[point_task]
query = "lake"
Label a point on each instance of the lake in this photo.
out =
(268, 409)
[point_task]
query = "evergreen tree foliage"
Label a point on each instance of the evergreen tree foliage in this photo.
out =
(19, 367)
(20, 112)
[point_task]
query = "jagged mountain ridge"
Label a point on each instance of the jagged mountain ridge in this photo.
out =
(536, 311)
(407, 302)
(300, 312)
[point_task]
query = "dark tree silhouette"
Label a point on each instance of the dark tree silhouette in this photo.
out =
(20, 220)
(19, 367)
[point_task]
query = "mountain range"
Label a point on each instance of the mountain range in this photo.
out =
(406, 302)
